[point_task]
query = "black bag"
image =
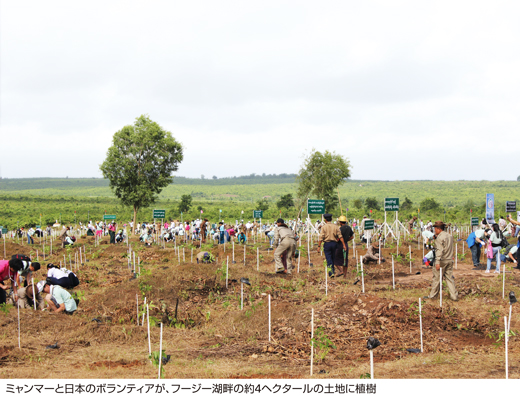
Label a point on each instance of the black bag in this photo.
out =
(503, 241)
(20, 257)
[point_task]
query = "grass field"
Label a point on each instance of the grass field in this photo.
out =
(23, 200)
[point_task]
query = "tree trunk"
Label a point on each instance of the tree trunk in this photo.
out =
(135, 220)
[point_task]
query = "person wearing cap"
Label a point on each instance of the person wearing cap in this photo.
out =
(341, 258)
(59, 299)
(475, 241)
(445, 250)
(283, 241)
(330, 234)
(205, 257)
(26, 298)
(372, 254)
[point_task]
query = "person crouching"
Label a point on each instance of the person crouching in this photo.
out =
(59, 299)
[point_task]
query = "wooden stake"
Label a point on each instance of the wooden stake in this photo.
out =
(269, 311)
(420, 323)
(160, 354)
(312, 336)
(506, 341)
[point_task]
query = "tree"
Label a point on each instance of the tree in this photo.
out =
(407, 204)
(185, 204)
(358, 204)
(518, 178)
(371, 203)
(286, 201)
(140, 163)
(429, 204)
(321, 174)
(262, 204)
(215, 177)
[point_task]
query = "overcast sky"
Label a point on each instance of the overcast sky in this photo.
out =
(404, 89)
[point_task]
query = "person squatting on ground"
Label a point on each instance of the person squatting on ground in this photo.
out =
(26, 298)
(64, 235)
(444, 250)
(284, 241)
(205, 258)
(372, 254)
(59, 299)
(62, 277)
(330, 234)
(341, 258)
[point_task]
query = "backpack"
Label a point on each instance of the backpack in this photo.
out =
(503, 241)
(20, 257)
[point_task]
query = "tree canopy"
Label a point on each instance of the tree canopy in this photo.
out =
(140, 162)
(320, 175)
(286, 201)
(185, 204)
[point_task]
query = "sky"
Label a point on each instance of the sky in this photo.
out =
(405, 90)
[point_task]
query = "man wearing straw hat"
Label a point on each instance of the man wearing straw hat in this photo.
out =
(444, 250)
(373, 253)
(26, 298)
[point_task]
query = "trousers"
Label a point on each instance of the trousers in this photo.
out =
(288, 245)
(447, 276)
(475, 253)
(329, 248)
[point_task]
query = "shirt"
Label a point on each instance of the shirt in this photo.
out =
(428, 234)
(62, 296)
(330, 233)
(444, 245)
(5, 272)
(56, 273)
(346, 232)
(280, 233)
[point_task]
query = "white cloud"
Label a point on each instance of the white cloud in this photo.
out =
(405, 89)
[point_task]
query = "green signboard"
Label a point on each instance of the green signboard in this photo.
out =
(316, 206)
(3, 230)
(109, 217)
(369, 224)
(258, 214)
(159, 214)
(391, 204)
(474, 221)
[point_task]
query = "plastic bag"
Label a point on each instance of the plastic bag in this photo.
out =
(489, 251)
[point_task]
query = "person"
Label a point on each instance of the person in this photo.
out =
(222, 232)
(330, 234)
(411, 223)
(148, 237)
(428, 259)
(63, 236)
(475, 241)
(26, 297)
(112, 232)
(241, 238)
(61, 277)
(341, 258)
(22, 266)
(205, 257)
(444, 251)
(120, 237)
(30, 233)
(427, 239)
(508, 254)
(59, 299)
(372, 254)
(502, 223)
(495, 239)
(203, 227)
(517, 223)
(5, 274)
(284, 241)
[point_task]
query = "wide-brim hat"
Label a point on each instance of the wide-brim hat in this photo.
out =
(343, 219)
(439, 224)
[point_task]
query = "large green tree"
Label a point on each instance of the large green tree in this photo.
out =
(286, 201)
(320, 175)
(140, 163)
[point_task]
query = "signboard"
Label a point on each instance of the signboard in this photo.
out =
(391, 204)
(369, 224)
(510, 206)
(517, 216)
(490, 208)
(109, 217)
(3, 230)
(474, 221)
(159, 214)
(315, 206)
(258, 214)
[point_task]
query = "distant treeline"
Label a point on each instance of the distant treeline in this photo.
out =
(66, 183)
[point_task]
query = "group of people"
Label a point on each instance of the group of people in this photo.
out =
(19, 270)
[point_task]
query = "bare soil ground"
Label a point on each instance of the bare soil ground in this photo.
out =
(209, 336)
